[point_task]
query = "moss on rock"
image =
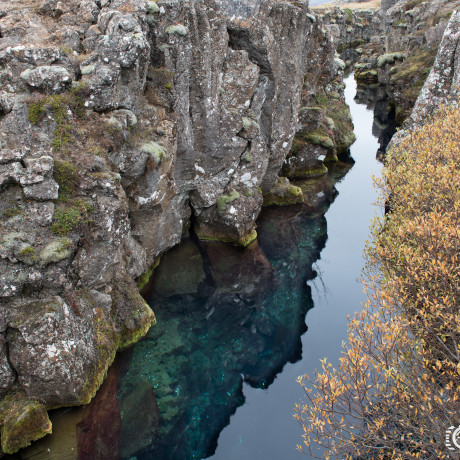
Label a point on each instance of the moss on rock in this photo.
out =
(390, 58)
(135, 317)
(367, 76)
(152, 7)
(312, 171)
(22, 420)
(55, 251)
(407, 79)
(155, 150)
(248, 124)
(318, 137)
(178, 29)
(244, 241)
(143, 280)
(283, 193)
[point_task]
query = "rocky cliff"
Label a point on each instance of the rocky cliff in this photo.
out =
(122, 124)
(402, 50)
(443, 83)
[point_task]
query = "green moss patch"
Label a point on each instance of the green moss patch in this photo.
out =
(316, 170)
(58, 105)
(155, 150)
(283, 193)
(349, 14)
(22, 421)
(244, 241)
(152, 7)
(248, 124)
(70, 216)
(317, 137)
(178, 29)
(27, 255)
(408, 77)
(143, 280)
(390, 58)
(135, 317)
(55, 251)
(366, 76)
(66, 175)
(12, 211)
(411, 4)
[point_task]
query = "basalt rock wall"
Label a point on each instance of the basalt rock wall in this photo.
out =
(122, 123)
(403, 53)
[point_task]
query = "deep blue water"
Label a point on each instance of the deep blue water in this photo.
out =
(230, 339)
(216, 377)
(264, 427)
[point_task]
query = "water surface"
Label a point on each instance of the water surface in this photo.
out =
(216, 377)
(264, 427)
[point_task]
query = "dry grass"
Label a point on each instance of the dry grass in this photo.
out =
(353, 6)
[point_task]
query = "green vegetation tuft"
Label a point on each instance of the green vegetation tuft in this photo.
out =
(36, 111)
(152, 7)
(411, 4)
(408, 78)
(349, 14)
(66, 175)
(70, 216)
(178, 29)
(23, 420)
(11, 212)
(338, 126)
(317, 137)
(58, 105)
(155, 150)
(390, 58)
(28, 251)
(248, 123)
(437, 19)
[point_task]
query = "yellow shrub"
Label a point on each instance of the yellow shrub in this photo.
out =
(397, 386)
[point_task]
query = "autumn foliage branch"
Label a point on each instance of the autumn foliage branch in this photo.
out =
(396, 388)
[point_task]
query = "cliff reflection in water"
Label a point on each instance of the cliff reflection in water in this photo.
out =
(225, 315)
(375, 98)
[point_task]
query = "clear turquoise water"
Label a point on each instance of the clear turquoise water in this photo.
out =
(216, 377)
(231, 338)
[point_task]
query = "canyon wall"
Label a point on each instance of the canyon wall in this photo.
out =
(126, 123)
(123, 123)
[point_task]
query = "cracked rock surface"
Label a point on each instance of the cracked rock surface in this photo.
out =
(122, 123)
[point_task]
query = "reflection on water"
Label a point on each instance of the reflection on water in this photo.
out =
(384, 125)
(225, 315)
(228, 319)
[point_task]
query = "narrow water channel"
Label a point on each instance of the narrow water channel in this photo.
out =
(264, 427)
(216, 377)
(230, 340)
